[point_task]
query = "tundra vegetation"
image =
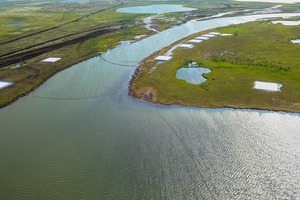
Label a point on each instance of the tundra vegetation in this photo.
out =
(77, 30)
(251, 54)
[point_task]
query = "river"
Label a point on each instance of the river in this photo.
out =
(80, 136)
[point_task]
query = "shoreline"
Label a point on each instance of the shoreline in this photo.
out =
(132, 92)
(148, 94)
(58, 70)
(25, 93)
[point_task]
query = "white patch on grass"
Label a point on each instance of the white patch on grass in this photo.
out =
(4, 84)
(163, 58)
(287, 23)
(51, 60)
(267, 86)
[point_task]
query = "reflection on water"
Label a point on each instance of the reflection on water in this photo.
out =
(192, 75)
(79, 136)
(158, 9)
(15, 25)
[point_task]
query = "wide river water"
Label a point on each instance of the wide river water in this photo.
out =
(80, 136)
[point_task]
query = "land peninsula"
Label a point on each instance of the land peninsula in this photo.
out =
(256, 51)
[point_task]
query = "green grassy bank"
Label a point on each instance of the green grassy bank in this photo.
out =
(257, 51)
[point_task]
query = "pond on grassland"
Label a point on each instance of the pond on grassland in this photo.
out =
(156, 9)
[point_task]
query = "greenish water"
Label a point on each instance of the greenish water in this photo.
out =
(80, 136)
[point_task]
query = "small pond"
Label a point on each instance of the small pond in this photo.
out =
(155, 9)
(192, 75)
(15, 25)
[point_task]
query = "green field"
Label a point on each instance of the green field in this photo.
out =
(258, 51)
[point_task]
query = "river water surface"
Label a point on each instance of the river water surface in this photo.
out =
(79, 136)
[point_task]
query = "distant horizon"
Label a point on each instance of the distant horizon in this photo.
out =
(273, 1)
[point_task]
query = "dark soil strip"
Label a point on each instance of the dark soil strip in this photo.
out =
(36, 52)
(53, 40)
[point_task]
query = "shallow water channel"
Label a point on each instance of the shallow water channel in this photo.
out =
(80, 136)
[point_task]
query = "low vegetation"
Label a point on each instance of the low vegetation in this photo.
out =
(257, 51)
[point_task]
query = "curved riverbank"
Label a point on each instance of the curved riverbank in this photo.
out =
(230, 85)
(34, 73)
(150, 95)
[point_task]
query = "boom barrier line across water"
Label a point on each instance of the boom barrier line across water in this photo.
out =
(77, 98)
(118, 64)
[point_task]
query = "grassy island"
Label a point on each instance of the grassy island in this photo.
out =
(257, 51)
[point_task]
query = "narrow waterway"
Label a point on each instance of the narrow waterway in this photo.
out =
(79, 136)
